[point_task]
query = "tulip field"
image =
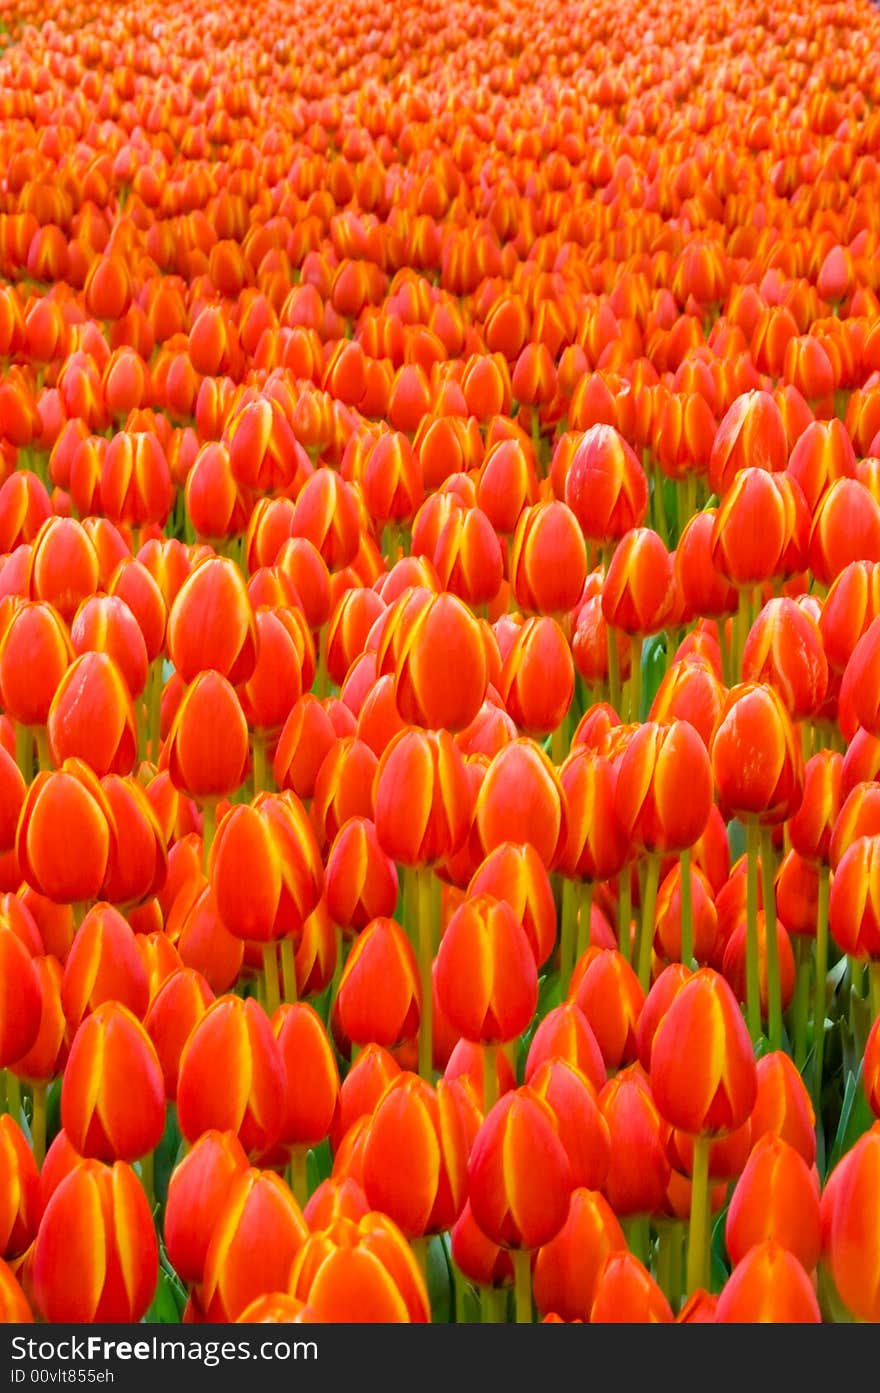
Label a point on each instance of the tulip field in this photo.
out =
(440, 661)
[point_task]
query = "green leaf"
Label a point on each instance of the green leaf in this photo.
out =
(319, 1164)
(653, 670)
(440, 1287)
(856, 1118)
(719, 1266)
(166, 1307)
(166, 1158)
(736, 839)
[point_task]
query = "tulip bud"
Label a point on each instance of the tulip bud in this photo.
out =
(232, 1076)
(112, 1092)
(96, 1257)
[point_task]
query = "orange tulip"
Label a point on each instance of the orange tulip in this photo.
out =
(359, 1272)
(521, 800)
(63, 837)
(537, 679)
(232, 1076)
(784, 649)
(35, 653)
(211, 624)
(751, 434)
(519, 1174)
(567, 1268)
(312, 1075)
(14, 1308)
(175, 1010)
(64, 567)
(756, 758)
(769, 1286)
(422, 803)
(265, 868)
(19, 1193)
(583, 1130)
(379, 994)
(112, 1092)
(361, 882)
(776, 1197)
(103, 965)
(92, 717)
(607, 991)
(626, 1292)
(305, 740)
(486, 976)
(638, 1175)
(96, 1257)
(440, 670)
(415, 1156)
(605, 485)
(20, 998)
(207, 746)
(548, 563)
(258, 1232)
(362, 1088)
(197, 1192)
(514, 872)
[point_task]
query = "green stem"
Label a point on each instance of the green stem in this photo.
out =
(726, 654)
(820, 983)
(522, 1277)
(800, 1007)
(676, 1253)
(646, 930)
(419, 1246)
(584, 917)
(460, 1285)
(753, 979)
(288, 969)
(38, 1123)
(687, 907)
(568, 932)
(44, 758)
(624, 913)
(638, 1236)
(774, 987)
(698, 1236)
(270, 976)
(411, 903)
(633, 703)
(661, 523)
(13, 1096)
(874, 979)
(686, 498)
(426, 961)
(490, 1076)
(340, 962)
(613, 668)
(154, 688)
(740, 631)
(24, 751)
(209, 827)
(321, 684)
(493, 1301)
(259, 764)
(664, 1259)
(299, 1174)
(537, 443)
(148, 1178)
